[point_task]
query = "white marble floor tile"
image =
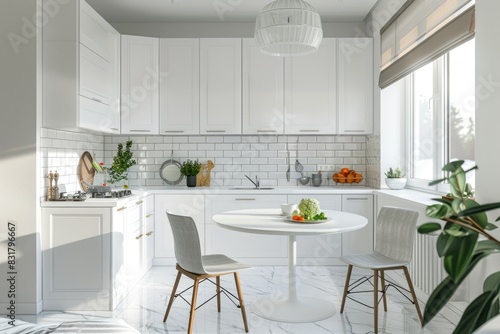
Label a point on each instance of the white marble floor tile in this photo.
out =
(145, 306)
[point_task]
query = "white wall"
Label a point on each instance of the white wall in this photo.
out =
(487, 119)
(222, 29)
(18, 153)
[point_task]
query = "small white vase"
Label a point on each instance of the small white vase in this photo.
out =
(396, 183)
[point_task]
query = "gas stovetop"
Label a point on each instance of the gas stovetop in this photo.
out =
(111, 193)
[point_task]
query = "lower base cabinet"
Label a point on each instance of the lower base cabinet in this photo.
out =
(360, 241)
(93, 257)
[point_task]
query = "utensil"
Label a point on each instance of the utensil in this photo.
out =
(303, 179)
(170, 171)
(288, 162)
(298, 166)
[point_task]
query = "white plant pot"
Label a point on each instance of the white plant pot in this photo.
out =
(396, 184)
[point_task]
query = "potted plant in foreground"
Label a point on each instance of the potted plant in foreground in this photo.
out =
(190, 169)
(121, 163)
(463, 241)
(395, 179)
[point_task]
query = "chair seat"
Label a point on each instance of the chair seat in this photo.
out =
(372, 261)
(220, 264)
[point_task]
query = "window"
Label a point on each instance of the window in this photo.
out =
(442, 114)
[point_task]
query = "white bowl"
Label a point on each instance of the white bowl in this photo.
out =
(396, 183)
(287, 209)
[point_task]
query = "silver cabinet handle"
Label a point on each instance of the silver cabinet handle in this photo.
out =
(356, 199)
(114, 129)
(358, 131)
(264, 130)
(214, 131)
(309, 130)
(244, 199)
(139, 236)
(149, 215)
(174, 131)
(139, 202)
(97, 100)
(149, 233)
(140, 130)
(121, 209)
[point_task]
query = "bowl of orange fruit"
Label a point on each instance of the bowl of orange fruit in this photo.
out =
(347, 175)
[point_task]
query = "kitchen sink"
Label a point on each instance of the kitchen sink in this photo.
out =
(251, 188)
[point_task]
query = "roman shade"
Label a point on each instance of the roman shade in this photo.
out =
(420, 32)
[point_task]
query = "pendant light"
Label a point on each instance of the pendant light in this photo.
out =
(288, 28)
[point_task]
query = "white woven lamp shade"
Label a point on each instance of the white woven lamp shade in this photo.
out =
(288, 28)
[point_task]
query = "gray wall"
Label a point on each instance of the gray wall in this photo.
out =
(18, 152)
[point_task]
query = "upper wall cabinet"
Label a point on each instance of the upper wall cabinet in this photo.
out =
(220, 86)
(180, 86)
(81, 71)
(355, 86)
(311, 91)
(262, 91)
(140, 85)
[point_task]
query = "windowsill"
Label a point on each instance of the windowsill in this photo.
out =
(411, 195)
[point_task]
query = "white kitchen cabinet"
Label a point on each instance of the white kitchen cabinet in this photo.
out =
(220, 86)
(359, 241)
(252, 248)
(77, 258)
(185, 205)
(149, 233)
(81, 71)
(355, 86)
(140, 84)
(179, 86)
(319, 249)
(262, 91)
(94, 256)
(311, 91)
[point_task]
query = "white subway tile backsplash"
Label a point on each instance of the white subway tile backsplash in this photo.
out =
(233, 156)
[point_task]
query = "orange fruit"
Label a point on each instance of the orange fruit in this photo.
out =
(358, 178)
(350, 178)
(342, 178)
(335, 177)
(345, 171)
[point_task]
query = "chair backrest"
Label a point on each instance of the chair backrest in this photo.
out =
(186, 243)
(395, 233)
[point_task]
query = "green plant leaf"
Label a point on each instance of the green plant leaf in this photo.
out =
(492, 283)
(479, 208)
(457, 183)
(429, 228)
(433, 183)
(453, 166)
(457, 233)
(446, 243)
(476, 314)
(490, 227)
(488, 245)
(445, 290)
(456, 263)
(455, 204)
(437, 211)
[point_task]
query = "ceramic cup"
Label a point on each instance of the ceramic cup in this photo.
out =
(316, 180)
(287, 209)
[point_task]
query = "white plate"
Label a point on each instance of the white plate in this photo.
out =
(307, 221)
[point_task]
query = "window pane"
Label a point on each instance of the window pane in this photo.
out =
(423, 124)
(462, 138)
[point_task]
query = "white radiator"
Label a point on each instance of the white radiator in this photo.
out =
(426, 269)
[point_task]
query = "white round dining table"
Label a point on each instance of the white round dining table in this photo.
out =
(293, 308)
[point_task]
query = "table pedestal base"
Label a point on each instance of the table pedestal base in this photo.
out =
(304, 309)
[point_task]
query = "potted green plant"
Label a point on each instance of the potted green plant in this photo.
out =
(121, 163)
(395, 178)
(463, 241)
(190, 169)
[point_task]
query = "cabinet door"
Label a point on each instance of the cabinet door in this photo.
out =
(95, 32)
(140, 85)
(359, 241)
(252, 248)
(77, 266)
(311, 92)
(180, 86)
(186, 205)
(355, 83)
(262, 91)
(95, 77)
(96, 116)
(220, 86)
(319, 249)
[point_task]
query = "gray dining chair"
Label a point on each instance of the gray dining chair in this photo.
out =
(394, 236)
(199, 268)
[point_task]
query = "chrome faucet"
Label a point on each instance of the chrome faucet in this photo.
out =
(256, 183)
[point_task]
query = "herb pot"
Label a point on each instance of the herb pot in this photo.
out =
(396, 183)
(191, 180)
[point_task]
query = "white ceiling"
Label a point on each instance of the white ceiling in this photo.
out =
(219, 10)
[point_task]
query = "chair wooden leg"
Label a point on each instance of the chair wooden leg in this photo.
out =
(242, 303)
(414, 296)
(375, 301)
(172, 296)
(217, 281)
(382, 280)
(346, 287)
(193, 306)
